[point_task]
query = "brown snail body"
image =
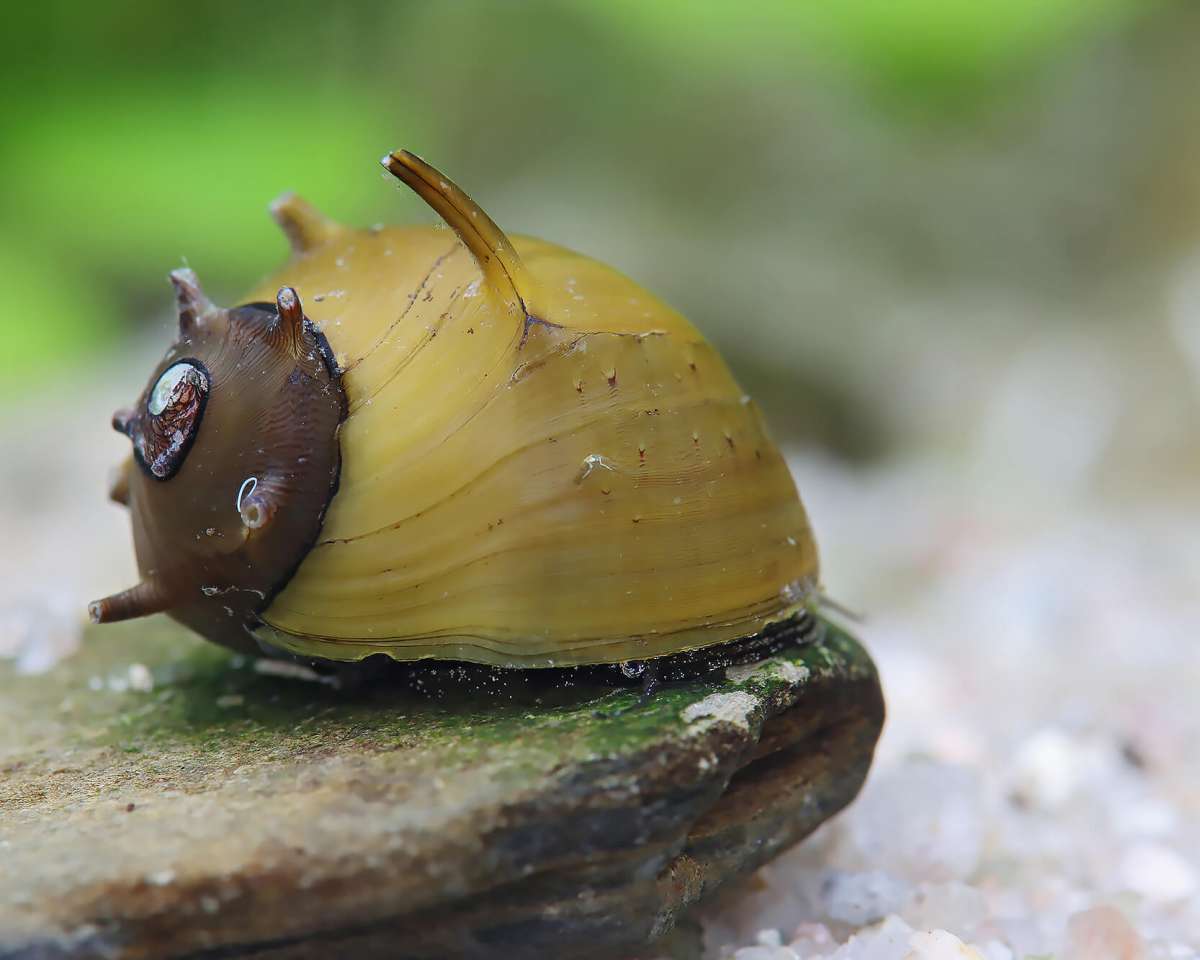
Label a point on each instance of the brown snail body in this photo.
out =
(461, 447)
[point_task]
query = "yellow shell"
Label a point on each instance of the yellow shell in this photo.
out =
(542, 463)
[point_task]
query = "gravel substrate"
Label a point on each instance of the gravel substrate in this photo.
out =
(1037, 787)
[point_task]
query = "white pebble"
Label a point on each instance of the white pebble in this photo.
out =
(766, 953)
(39, 632)
(160, 878)
(1102, 933)
(940, 945)
(886, 941)
(1157, 872)
(954, 905)
(1051, 767)
(861, 898)
(140, 678)
(922, 821)
(811, 938)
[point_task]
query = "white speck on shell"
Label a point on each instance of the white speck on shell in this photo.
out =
(336, 294)
(590, 463)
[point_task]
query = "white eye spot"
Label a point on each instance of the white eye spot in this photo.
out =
(247, 488)
(160, 396)
(254, 511)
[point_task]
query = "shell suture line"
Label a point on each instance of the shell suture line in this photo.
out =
(412, 299)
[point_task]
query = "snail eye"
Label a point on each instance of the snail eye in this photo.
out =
(174, 409)
(176, 379)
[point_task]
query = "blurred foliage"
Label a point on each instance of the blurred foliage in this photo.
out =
(137, 135)
(925, 51)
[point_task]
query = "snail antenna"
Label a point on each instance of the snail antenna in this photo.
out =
(118, 483)
(149, 596)
(195, 309)
(827, 602)
(291, 317)
(304, 225)
(493, 251)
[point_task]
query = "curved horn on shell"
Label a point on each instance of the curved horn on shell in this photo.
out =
(493, 251)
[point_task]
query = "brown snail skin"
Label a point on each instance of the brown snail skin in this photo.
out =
(461, 447)
(207, 559)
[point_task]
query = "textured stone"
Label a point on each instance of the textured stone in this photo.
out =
(160, 799)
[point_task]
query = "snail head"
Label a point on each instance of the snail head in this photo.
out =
(235, 460)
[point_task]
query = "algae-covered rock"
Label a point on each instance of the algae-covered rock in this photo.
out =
(160, 799)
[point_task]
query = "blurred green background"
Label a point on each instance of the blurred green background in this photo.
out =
(818, 185)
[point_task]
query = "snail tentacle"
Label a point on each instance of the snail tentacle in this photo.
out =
(291, 317)
(489, 245)
(118, 486)
(827, 602)
(149, 596)
(305, 227)
(195, 309)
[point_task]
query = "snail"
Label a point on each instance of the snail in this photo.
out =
(459, 446)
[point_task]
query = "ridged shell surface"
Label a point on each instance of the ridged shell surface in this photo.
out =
(586, 486)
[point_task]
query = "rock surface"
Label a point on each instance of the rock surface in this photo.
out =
(160, 799)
